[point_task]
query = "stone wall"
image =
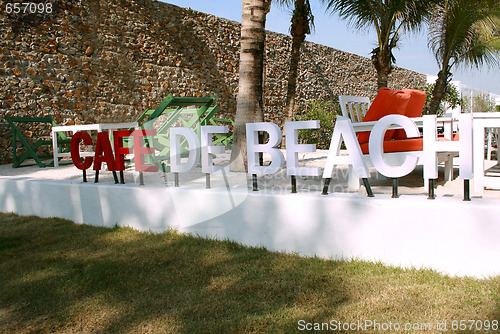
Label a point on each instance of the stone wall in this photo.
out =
(107, 61)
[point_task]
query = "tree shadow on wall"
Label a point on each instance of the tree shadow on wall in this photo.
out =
(24, 17)
(330, 80)
(155, 49)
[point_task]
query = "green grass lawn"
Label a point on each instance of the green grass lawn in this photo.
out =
(59, 277)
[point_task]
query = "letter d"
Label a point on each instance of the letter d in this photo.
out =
(441, 326)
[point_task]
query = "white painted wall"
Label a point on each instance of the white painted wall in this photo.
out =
(447, 234)
(465, 91)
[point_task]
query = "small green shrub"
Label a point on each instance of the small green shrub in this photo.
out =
(451, 98)
(326, 113)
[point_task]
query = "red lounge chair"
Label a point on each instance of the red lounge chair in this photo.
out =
(396, 140)
(389, 102)
(408, 102)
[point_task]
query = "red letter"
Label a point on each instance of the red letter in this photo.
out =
(75, 150)
(140, 151)
(103, 152)
(121, 151)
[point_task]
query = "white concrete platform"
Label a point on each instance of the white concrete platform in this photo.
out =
(447, 234)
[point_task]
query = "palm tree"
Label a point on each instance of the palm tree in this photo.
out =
(463, 32)
(390, 18)
(249, 106)
(302, 24)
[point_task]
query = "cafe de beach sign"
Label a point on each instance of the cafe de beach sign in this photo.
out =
(202, 149)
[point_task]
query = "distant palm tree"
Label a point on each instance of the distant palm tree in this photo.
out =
(302, 24)
(390, 18)
(463, 32)
(249, 106)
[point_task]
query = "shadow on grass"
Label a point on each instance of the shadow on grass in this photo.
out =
(60, 277)
(57, 276)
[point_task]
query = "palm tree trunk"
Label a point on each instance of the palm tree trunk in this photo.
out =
(382, 79)
(439, 91)
(291, 92)
(292, 76)
(382, 62)
(249, 106)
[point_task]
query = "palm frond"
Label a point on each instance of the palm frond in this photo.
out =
(463, 32)
(302, 18)
(284, 3)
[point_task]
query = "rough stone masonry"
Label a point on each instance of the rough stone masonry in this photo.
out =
(107, 61)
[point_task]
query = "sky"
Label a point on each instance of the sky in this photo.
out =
(412, 52)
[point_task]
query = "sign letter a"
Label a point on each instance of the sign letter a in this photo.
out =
(104, 152)
(343, 130)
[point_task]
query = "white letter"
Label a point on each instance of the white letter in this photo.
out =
(253, 148)
(293, 148)
(463, 146)
(175, 149)
(343, 130)
(207, 150)
(376, 145)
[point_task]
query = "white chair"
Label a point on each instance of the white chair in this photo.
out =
(492, 141)
(354, 107)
